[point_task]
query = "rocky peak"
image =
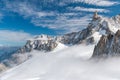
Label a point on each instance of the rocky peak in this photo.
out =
(95, 16)
(108, 46)
(41, 42)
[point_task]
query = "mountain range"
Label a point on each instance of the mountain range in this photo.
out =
(102, 32)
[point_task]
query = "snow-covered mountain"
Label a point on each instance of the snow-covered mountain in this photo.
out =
(41, 42)
(91, 35)
(109, 44)
(96, 28)
(99, 26)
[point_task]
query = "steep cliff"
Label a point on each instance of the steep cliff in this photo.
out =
(108, 46)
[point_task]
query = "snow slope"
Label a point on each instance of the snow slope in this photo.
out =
(56, 65)
(60, 47)
(69, 63)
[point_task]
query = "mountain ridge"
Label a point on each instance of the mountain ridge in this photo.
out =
(99, 26)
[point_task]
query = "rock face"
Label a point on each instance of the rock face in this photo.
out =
(95, 16)
(108, 46)
(99, 24)
(84, 36)
(2, 67)
(42, 43)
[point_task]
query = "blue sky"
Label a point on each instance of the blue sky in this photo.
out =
(23, 19)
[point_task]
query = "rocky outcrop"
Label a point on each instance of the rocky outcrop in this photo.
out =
(84, 36)
(108, 46)
(77, 37)
(2, 67)
(41, 43)
(95, 16)
(102, 25)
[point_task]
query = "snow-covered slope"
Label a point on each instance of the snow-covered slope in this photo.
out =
(60, 47)
(62, 64)
(66, 64)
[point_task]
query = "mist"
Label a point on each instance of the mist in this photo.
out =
(65, 63)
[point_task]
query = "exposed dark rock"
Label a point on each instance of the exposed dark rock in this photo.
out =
(41, 43)
(2, 67)
(108, 46)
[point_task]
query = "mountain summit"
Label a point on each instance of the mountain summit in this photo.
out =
(109, 44)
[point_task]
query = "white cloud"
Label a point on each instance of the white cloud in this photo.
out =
(26, 10)
(64, 23)
(88, 9)
(14, 36)
(1, 45)
(61, 21)
(98, 2)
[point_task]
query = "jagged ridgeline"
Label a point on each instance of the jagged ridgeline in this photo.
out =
(48, 43)
(99, 26)
(109, 44)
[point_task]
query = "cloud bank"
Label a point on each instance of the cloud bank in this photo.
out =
(8, 37)
(65, 64)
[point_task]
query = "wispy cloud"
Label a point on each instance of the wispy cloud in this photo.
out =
(7, 35)
(48, 13)
(59, 21)
(88, 9)
(26, 10)
(98, 2)
(64, 23)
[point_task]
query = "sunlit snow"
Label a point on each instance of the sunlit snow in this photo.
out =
(65, 63)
